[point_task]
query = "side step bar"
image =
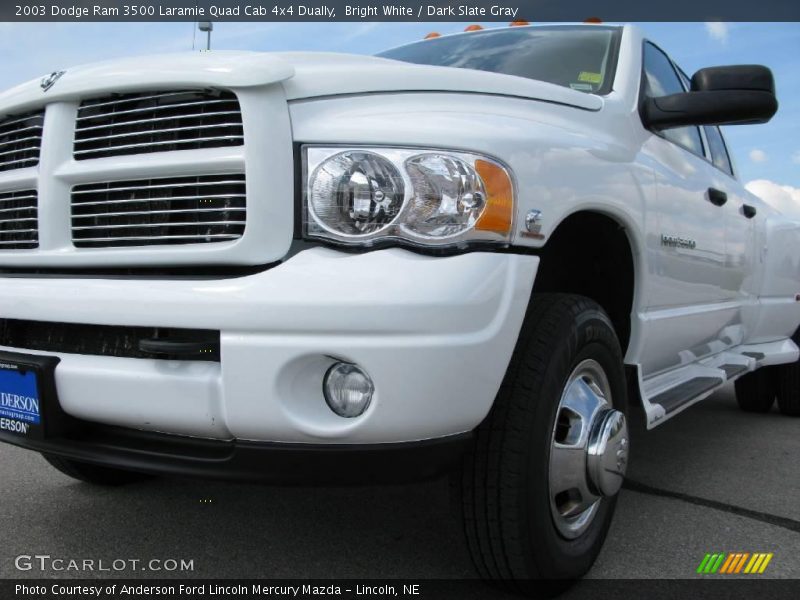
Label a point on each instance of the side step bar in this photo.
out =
(733, 371)
(685, 393)
(668, 393)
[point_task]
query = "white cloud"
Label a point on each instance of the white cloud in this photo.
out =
(796, 158)
(717, 30)
(758, 156)
(783, 198)
(360, 30)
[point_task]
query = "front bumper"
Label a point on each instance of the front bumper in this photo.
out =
(434, 333)
(265, 462)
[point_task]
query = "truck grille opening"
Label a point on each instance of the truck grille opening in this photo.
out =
(18, 220)
(21, 140)
(122, 124)
(102, 340)
(177, 210)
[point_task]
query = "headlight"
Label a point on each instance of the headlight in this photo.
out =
(426, 197)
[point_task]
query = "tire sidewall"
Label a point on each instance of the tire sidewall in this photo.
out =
(591, 336)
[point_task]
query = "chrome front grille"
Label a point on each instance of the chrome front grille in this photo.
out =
(123, 124)
(21, 140)
(18, 220)
(167, 211)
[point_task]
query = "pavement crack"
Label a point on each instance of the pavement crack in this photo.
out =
(755, 515)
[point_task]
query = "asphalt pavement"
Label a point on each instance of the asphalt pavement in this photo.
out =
(712, 479)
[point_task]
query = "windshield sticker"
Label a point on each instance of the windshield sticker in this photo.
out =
(590, 77)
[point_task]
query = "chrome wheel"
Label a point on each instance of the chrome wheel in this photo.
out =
(588, 452)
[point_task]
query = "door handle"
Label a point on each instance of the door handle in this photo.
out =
(748, 211)
(717, 197)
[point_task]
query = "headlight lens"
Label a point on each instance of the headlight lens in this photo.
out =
(356, 193)
(448, 195)
(426, 197)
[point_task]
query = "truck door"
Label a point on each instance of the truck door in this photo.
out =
(693, 293)
(741, 215)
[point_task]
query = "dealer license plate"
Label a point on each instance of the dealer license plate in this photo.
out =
(20, 408)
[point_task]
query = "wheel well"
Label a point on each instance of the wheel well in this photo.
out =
(590, 254)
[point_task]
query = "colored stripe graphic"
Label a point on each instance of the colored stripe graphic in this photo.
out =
(711, 563)
(741, 562)
(718, 563)
(764, 564)
(757, 564)
(734, 563)
(749, 566)
(703, 563)
(726, 566)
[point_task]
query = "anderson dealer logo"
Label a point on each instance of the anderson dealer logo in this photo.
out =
(17, 412)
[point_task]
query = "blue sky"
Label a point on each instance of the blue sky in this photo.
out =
(769, 152)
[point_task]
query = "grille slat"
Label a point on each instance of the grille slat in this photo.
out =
(154, 212)
(33, 162)
(151, 146)
(21, 140)
(31, 197)
(132, 111)
(12, 152)
(124, 100)
(145, 186)
(17, 245)
(145, 225)
(30, 138)
(150, 239)
(21, 119)
(160, 211)
(171, 199)
(157, 122)
(140, 133)
(157, 119)
(19, 220)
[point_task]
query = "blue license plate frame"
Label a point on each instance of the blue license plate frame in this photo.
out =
(29, 406)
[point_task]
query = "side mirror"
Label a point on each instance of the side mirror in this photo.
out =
(736, 95)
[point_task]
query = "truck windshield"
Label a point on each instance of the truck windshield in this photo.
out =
(579, 57)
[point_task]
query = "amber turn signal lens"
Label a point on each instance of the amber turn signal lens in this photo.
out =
(473, 28)
(498, 214)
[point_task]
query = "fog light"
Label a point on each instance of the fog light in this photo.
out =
(348, 390)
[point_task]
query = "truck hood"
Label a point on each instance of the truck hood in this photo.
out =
(303, 75)
(330, 74)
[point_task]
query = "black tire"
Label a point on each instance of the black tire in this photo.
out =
(504, 486)
(755, 392)
(788, 387)
(94, 474)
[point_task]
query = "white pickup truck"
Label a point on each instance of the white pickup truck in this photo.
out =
(476, 253)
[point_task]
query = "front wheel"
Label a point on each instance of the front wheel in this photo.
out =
(538, 490)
